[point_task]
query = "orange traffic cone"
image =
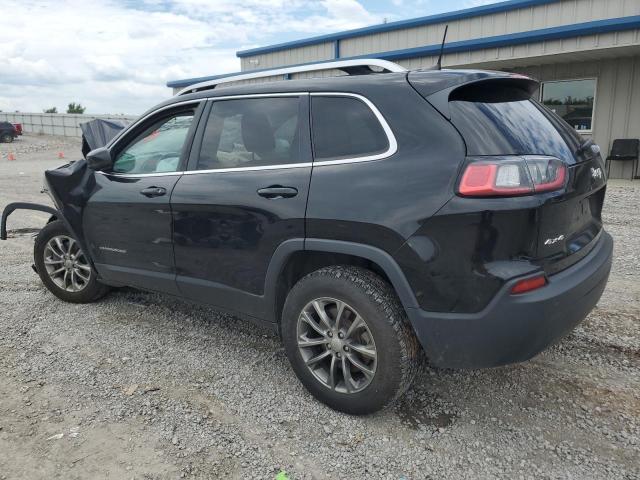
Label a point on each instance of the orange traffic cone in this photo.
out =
(60, 154)
(11, 157)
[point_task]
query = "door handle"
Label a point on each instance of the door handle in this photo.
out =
(278, 191)
(153, 192)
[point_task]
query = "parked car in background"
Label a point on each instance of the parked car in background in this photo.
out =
(363, 217)
(18, 127)
(7, 132)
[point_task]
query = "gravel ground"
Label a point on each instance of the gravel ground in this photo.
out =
(145, 386)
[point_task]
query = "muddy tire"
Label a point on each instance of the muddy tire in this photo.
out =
(348, 339)
(63, 267)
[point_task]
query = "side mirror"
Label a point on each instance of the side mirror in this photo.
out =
(99, 159)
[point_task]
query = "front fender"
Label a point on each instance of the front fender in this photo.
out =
(70, 186)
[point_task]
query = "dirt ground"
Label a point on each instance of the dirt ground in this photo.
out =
(145, 386)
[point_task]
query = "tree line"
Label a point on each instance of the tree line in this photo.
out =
(72, 108)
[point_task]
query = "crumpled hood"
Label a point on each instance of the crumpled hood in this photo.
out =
(97, 133)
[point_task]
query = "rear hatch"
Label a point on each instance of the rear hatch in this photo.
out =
(498, 120)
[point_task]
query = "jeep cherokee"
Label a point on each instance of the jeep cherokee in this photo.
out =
(366, 218)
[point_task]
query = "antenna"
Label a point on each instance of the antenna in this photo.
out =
(444, 38)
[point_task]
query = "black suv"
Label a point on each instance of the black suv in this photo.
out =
(366, 218)
(7, 132)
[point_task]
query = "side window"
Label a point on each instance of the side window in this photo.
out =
(251, 132)
(158, 148)
(345, 127)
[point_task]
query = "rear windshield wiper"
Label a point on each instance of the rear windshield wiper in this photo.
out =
(586, 145)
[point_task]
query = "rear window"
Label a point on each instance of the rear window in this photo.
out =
(493, 126)
(345, 127)
(251, 132)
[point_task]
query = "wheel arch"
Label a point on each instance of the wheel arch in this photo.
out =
(296, 258)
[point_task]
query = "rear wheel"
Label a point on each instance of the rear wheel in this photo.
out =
(6, 138)
(64, 268)
(348, 339)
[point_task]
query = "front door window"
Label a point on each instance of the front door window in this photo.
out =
(158, 148)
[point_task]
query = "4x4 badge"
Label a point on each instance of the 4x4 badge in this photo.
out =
(551, 241)
(596, 173)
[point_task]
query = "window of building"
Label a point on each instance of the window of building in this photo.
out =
(251, 132)
(345, 127)
(572, 100)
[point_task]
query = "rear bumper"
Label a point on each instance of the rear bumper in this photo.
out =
(514, 328)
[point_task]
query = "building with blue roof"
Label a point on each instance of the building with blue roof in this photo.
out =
(586, 53)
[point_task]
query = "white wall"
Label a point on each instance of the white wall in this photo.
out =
(62, 124)
(562, 12)
(617, 102)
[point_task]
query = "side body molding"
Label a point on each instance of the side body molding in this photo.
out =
(263, 307)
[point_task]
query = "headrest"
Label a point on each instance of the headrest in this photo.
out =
(257, 133)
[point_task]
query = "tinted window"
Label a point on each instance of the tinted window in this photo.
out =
(158, 148)
(511, 128)
(251, 132)
(345, 127)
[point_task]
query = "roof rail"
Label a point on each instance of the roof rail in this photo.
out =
(352, 67)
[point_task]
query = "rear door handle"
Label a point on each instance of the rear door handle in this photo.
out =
(153, 192)
(278, 191)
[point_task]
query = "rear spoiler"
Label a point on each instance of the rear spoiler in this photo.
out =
(9, 209)
(437, 87)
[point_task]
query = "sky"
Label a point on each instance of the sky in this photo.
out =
(116, 56)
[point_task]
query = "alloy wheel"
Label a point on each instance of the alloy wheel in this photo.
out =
(66, 264)
(336, 345)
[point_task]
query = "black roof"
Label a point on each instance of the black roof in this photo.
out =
(431, 80)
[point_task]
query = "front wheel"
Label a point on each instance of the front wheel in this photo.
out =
(348, 339)
(6, 138)
(64, 268)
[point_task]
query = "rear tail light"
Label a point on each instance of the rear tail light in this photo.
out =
(496, 178)
(529, 284)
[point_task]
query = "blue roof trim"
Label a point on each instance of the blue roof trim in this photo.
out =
(191, 81)
(402, 24)
(545, 34)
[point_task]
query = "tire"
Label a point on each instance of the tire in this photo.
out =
(6, 138)
(387, 333)
(86, 288)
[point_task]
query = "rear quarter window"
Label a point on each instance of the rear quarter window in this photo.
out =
(345, 127)
(508, 128)
(505, 121)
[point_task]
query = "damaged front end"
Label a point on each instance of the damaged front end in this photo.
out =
(70, 185)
